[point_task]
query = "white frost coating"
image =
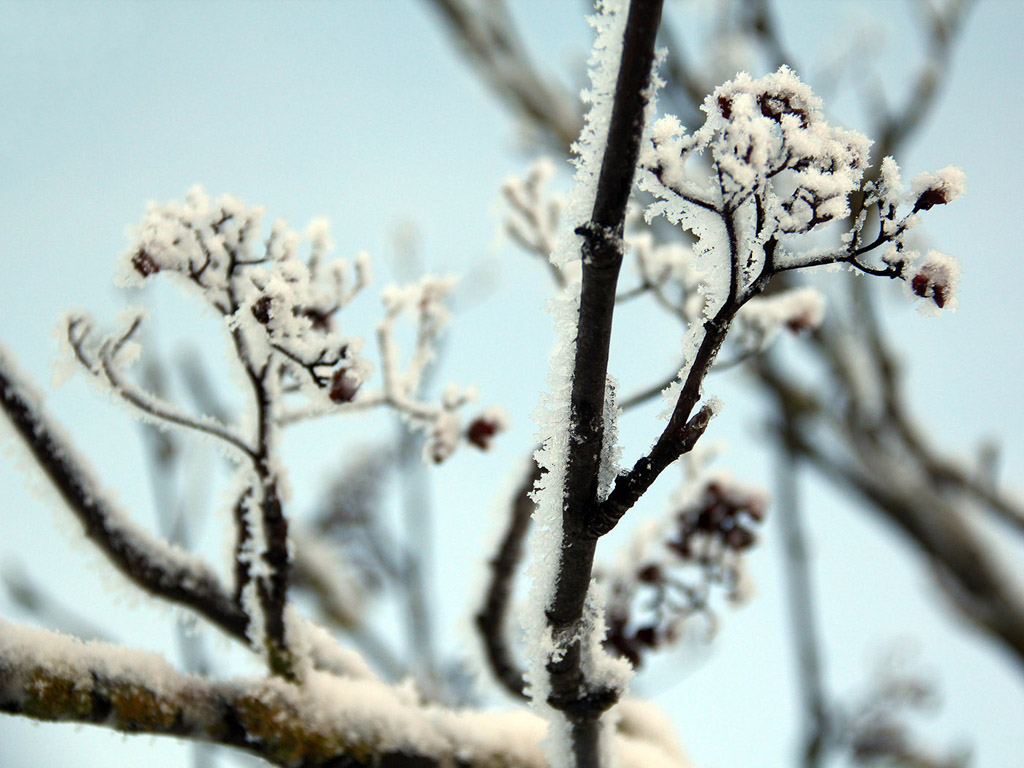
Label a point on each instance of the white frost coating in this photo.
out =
(950, 183)
(936, 278)
(552, 416)
(609, 24)
(757, 133)
(344, 710)
(611, 451)
(24, 648)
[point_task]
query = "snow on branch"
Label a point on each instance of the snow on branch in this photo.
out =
(280, 310)
(154, 565)
(776, 170)
(570, 678)
(328, 720)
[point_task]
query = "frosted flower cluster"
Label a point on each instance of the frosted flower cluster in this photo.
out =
(281, 310)
(771, 148)
(766, 167)
(275, 301)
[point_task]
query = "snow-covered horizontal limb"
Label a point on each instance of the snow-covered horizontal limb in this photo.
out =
(326, 721)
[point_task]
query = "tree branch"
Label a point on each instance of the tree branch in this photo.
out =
(803, 620)
(155, 566)
(492, 618)
(324, 723)
(570, 692)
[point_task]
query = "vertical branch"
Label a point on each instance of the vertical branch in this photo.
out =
(570, 692)
(796, 565)
(417, 558)
(272, 587)
(492, 617)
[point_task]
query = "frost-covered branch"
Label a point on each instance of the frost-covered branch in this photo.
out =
(326, 721)
(758, 132)
(154, 565)
(563, 676)
(280, 312)
(492, 618)
(100, 358)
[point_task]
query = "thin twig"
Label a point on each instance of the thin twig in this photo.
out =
(802, 615)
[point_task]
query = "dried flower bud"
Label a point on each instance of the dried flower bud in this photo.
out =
(936, 279)
(480, 432)
(485, 426)
(740, 538)
(650, 574)
(321, 321)
(930, 198)
(344, 385)
(261, 309)
(725, 107)
(919, 285)
(144, 263)
(943, 186)
(646, 636)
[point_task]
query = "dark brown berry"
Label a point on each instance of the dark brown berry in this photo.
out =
(649, 574)
(480, 432)
(930, 198)
(144, 264)
(344, 385)
(646, 636)
(261, 309)
(919, 285)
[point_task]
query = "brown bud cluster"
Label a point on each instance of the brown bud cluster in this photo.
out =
(928, 288)
(772, 106)
(718, 522)
(724, 513)
(631, 644)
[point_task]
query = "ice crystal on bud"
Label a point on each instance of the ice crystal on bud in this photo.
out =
(930, 189)
(936, 278)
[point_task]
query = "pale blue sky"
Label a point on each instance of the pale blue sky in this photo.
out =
(360, 111)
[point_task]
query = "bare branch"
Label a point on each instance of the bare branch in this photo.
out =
(488, 37)
(492, 617)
